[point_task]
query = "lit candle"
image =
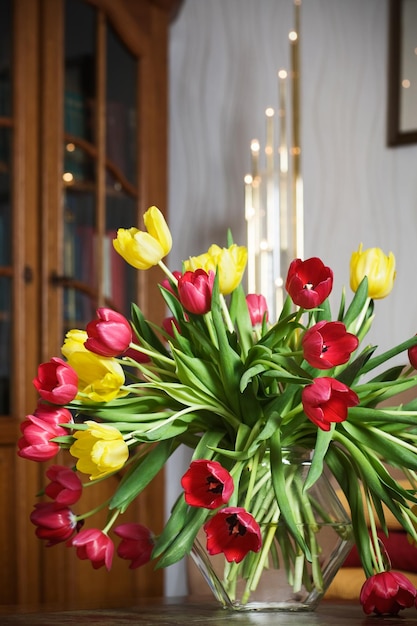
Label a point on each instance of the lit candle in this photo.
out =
(254, 147)
(250, 230)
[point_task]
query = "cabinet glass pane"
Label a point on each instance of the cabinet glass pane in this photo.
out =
(5, 344)
(79, 91)
(121, 153)
(5, 58)
(5, 205)
(79, 261)
(121, 105)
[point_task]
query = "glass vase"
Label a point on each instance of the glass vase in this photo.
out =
(280, 577)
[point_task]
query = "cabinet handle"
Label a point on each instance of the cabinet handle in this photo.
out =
(28, 274)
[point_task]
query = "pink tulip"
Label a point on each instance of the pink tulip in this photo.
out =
(258, 308)
(94, 545)
(56, 382)
(109, 335)
(194, 291)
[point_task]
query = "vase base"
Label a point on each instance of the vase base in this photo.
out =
(271, 607)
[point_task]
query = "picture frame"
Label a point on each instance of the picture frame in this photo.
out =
(402, 73)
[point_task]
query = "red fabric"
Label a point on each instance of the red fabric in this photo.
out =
(402, 554)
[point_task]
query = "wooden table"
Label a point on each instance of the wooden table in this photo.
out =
(179, 612)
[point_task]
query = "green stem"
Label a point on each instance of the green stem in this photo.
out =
(168, 272)
(226, 314)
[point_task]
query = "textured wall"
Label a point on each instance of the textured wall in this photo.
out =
(224, 58)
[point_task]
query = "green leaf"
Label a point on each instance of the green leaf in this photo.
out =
(357, 305)
(182, 543)
(229, 361)
(141, 474)
(320, 450)
(356, 367)
(145, 332)
(389, 354)
(239, 314)
(280, 489)
(343, 468)
(198, 374)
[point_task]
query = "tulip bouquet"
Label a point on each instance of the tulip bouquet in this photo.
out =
(239, 391)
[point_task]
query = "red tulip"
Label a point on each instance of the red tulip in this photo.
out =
(194, 291)
(136, 545)
(168, 324)
(258, 308)
(56, 382)
(327, 344)
(166, 283)
(309, 282)
(234, 532)
(65, 486)
(412, 356)
(327, 400)
(94, 545)
(207, 484)
(109, 335)
(387, 592)
(38, 430)
(55, 522)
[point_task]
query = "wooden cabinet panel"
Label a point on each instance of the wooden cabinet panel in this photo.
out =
(43, 284)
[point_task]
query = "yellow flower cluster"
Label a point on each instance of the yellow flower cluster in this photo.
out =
(99, 378)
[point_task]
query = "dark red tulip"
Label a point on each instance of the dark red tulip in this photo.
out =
(55, 522)
(65, 486)
(309, 282)
(412, 356)
(387, 593)
(136, 545)
(327, 400)
(327, 344)
(233, 531)
(207, 484)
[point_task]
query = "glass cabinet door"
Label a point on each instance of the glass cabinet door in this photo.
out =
(6, 124)
(100, 161)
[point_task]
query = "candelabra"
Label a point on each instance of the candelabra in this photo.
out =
(274, 188)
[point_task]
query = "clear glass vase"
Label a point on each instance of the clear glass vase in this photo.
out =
(279, 576)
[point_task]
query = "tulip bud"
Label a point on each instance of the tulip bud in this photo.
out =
(377, 267)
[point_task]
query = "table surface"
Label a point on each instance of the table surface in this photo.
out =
(176, 612)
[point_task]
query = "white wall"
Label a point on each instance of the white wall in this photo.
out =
(224, 58)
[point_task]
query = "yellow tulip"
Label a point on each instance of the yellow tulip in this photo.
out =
(377, 266)
(145, 249)
(74, 342)
(230, 264)
(99, 377)
(100, 450)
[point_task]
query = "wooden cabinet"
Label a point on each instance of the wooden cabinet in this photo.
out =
(83, 118)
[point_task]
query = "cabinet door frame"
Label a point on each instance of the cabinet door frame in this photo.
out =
(43, 575)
